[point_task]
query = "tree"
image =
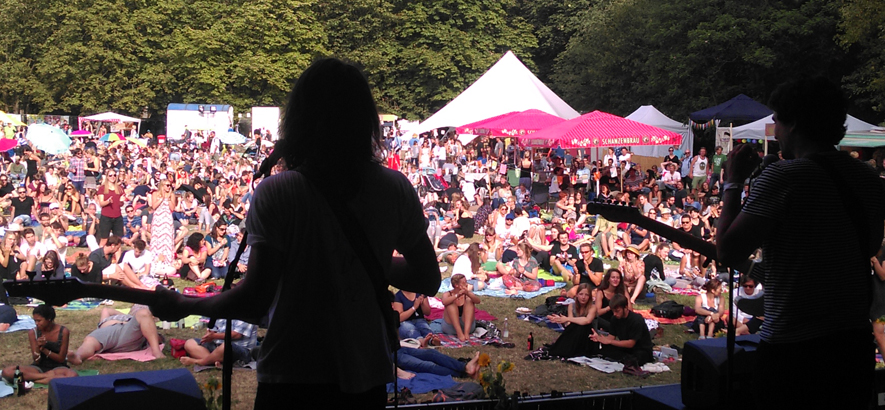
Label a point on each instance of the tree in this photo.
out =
(686, 55)
(863, 31)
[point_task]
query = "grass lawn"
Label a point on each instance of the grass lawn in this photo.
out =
(530, 377)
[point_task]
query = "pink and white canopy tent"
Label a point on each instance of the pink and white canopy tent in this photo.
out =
(511, 124)
(600, 129)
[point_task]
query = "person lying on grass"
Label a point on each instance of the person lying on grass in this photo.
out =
(460, 307)
(118, 332)
(412, 360)
(209, 349)
(49, 348)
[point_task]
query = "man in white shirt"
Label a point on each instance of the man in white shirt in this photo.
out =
(625, 158)
(137, 261)
(670, 177)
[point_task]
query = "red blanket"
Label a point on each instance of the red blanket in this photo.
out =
(479, 315)
(682, 320)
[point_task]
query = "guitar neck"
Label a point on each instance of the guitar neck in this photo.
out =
(58, 292)
(683, 238)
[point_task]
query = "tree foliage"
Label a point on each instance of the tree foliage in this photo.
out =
(687, 55)
(85, 56)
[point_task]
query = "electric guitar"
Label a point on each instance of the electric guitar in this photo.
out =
(622, 212)
(57, 292)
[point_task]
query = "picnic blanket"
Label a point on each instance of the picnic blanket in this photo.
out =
(424, 383)
(81, 372)
(541, 320)
(437, 313)
(81, 304)
(646, 313)
(24, 322)
(498, 291)
(484, 334)
(543, 274)
(685, 292)
(451, 341)
(143, 355)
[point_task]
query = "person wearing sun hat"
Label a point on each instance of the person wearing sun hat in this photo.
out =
(633, 270)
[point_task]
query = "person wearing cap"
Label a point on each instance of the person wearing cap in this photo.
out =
(505, 232)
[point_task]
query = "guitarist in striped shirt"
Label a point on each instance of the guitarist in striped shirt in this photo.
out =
(818, 217)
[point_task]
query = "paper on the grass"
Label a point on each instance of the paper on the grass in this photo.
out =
(602, 365)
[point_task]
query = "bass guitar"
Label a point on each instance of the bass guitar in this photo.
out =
(57, 292)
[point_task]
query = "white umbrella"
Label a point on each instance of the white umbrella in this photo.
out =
(48, 138)
(232, 138)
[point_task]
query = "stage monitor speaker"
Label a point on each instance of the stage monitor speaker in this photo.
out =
(152, 390)
(704, 372)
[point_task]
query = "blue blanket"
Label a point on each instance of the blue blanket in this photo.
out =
(446, 286)
(556, 327)
(24, 322)
(423, 383)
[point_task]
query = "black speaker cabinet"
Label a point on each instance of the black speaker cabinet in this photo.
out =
(704, 372)
(158, 389)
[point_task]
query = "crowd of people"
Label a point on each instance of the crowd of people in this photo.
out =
(178, 208)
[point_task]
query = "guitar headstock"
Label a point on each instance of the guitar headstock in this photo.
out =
(616, 211)
(55, 292)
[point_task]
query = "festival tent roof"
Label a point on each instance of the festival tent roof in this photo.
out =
(737, 109)
(756, 129)
(648, 114)
(868, 139)
(506, 87)
(111, 117)
(512, 124)
(600, 129)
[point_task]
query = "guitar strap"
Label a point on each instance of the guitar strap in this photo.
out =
(227, 362)
(853, 204)
(359, 242)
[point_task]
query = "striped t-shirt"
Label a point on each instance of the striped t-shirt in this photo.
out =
(813, 272)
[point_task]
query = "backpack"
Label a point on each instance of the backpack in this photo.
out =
(668, 310)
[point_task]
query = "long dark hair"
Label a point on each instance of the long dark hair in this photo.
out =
(331, 103)
(606, 282)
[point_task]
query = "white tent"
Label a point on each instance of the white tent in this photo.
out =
(110, 117)
(756, 129)
(648, 114)
(508, 86)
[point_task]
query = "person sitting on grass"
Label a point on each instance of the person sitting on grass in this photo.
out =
(193, 259)
(209, 349)
(137, 263)
(412, 309)
(612, 284)
(627, 340)
(522, 274)
(49, 349)
(589, 270)
(563, 257)
(578, 323)
(460, 308)
(118, 332)
(633, 269)
(748, 324)
(708, 306)
(469, 266)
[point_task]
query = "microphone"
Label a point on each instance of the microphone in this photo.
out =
(766, 161)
